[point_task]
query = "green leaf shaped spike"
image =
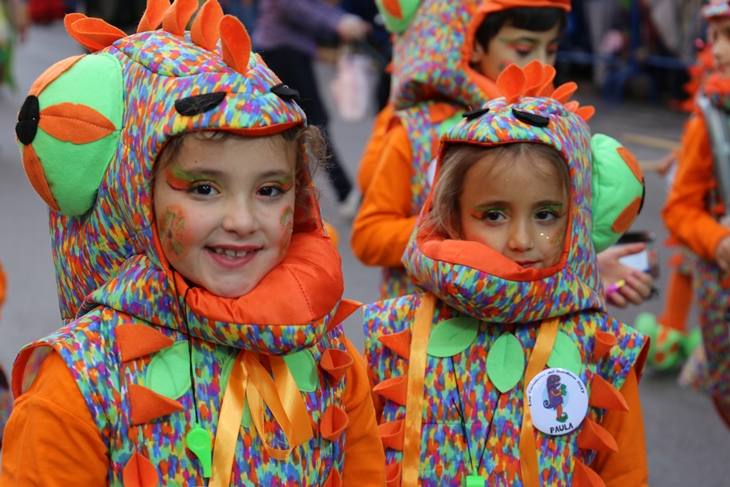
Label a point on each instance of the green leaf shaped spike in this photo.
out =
(304, 370)
(168, 373)
(451, 337)
(565, 354)
(506, 362)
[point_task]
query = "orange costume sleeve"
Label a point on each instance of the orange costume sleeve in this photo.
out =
(52, 440)
(627, 467)
(373, 148)
(384, 224)
(685, 213)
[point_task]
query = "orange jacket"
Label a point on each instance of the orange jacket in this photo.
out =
(385, 222)
(685, 213)
(52, 440)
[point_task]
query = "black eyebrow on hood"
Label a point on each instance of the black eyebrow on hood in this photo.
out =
(195, 105)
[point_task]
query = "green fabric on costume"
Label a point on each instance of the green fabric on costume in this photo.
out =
(451, 337)
(395, 25)
(304, 370)
(506, 362)
(168, 373)
(565, 354)
(90, 82)
(614, 188)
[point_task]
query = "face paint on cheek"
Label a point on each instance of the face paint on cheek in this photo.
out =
(175, 238)
(286, 221)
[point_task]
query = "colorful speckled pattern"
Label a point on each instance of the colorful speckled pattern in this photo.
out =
(573, 295)
(109, 274)
(716, 8)
(428, 60)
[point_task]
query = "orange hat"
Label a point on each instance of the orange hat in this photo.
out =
(491, 6)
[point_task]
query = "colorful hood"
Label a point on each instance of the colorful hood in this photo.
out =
(606, 196)
(90, 132)
(716, 8)
(433, 43)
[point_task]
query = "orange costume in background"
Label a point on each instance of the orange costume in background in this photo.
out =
(6, 397)
(433, 84)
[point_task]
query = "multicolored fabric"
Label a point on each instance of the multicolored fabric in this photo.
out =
(111, 271)
(716, 8)
(431, 57)
(504, 302)
(492, 419)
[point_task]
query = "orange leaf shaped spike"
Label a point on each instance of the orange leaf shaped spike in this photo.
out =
(336, 363)
(632, 162)
(564, 92)
(572, 106)
(593, 436)
(533, 72)
(344, 310)
(136, 341)
(333, 423)
(334, 479)
(511, 82)
(147, 405)
(392, 475)
(52, 73)
(93, 34)
(37, 177)
(548, 75)
(628, 215)
(204, 31)
(395, 389)
(79, 124)
(235, 44)
(585, 477)
(139, 472)
(153, 15)
(393, 434)
(603, 342)
(177, 17)
(605, 396)
(399, 343)
(586, 113)
(393, 8)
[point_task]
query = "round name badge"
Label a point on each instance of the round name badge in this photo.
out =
(558, 401)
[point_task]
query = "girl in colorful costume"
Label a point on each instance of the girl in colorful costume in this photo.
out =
(446, 58)
(454, 365)
(695, 214)
(202, 295)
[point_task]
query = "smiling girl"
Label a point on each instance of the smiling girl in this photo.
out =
(507, 370)
(202, 297)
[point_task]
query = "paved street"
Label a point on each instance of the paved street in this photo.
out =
(687, 444)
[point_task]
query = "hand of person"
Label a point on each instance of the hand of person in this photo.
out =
(623, 284)
(352, 28)
(666, 163)
(20, 11)
(722, 254)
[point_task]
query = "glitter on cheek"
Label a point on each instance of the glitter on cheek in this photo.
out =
(175, 237)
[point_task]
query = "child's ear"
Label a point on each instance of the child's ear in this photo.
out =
(618, 190)
(477, 54)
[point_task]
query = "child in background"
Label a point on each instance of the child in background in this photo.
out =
(696, 215)
(447, 56)
(202, 295)
(505, 253)
(6, 396)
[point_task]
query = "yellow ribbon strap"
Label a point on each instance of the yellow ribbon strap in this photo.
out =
(414, 402)
(540, 355)
(250, 381)
(229, 424)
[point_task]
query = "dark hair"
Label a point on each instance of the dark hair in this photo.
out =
(536, 19)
